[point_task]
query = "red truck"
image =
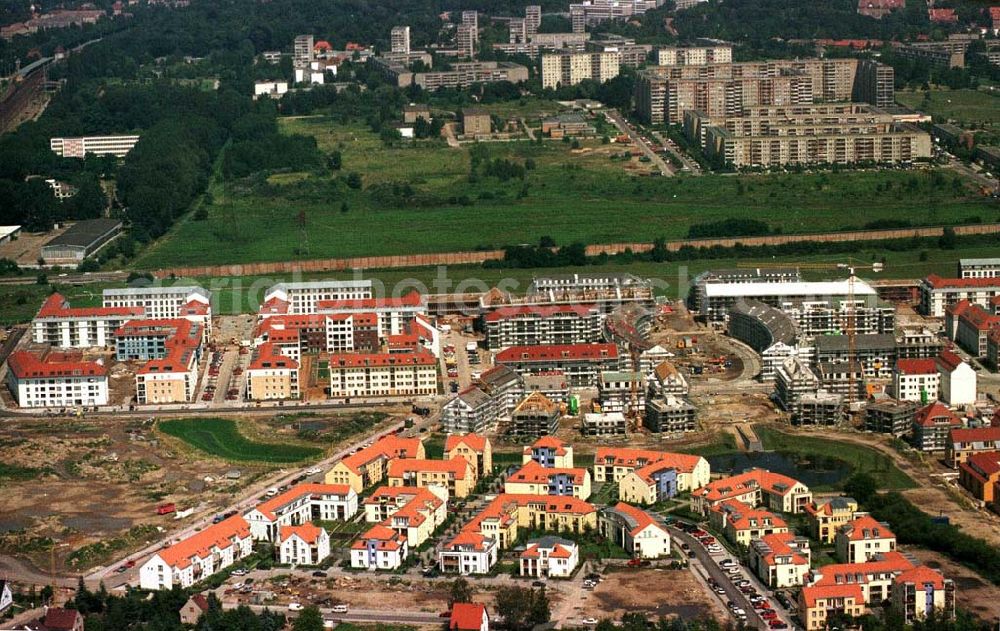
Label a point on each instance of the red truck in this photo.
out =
(165, 509)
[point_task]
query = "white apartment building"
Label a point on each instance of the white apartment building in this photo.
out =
(550, 557)
(300, 505)
(381, 548)
(694, 55)
(862, 539)
(958, 380)
(916, 380)
(63, 326)
(195, 558)
(472, 411)
(303, 545)
(937, 293)
(117, 146)
(302, 298)
(542, 324)
(570, 68)
(635, 531)
(468, 553)
(56, 381)
(188, 302)
(383, 375)
(979, 268)
(399, 39)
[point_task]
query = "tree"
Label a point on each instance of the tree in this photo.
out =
(335, 161)
(540, 609)
(460, 592)
(948, 239)
(310, 619)
(522, 607)
(90, 200)
(354, 180)
(861, 486)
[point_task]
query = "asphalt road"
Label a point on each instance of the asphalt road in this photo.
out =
(623, 126)
(711, 565)
(247, 500)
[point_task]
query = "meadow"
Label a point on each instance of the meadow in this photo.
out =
(419, 198)
(973, 108)
(221, 438)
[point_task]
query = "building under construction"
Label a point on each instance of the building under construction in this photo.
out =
(798, 390)
(669, 415)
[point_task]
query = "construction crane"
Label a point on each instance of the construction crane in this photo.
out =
(850, 321)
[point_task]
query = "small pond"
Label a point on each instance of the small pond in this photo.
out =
(813, 471)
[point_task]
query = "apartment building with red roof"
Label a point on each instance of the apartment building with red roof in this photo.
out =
(366, 375)
(938, 293)
(974, 325)
(368, 466)
(922, 593)
(818, 604)
(56, 380)
(534, 479)
(826, 516)
(863, 539)
(965, 442)
(780, 560)
(475, 448)
(305, 544)
(204, 553)
(468, 553)
(380, 548)
(958, 380)
(632, 469)
(457, 476)
(162, 302)
(549, 556)
(549, 451)
(916, 380)
(412, 512)
(394, 315)
(993, 349)
(742, 523)
(980, 475)
(170, 350)
(635, 531)
(505, 515)
(301, 504)
(582, 364)
(757, 487)
(874, 576)
(271, 375)
(932, 425)
(62, 326)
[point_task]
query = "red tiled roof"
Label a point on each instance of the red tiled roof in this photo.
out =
(412, 299)
(939, 282)
(974, 435)
(537, 311)
(920, 576)
(268, 507)
(474, 442)
(741, 515)
(943, 15)
(959, 307)
(386, 447)
(979, 318)
(268, 355)
(59, 619)
(928, 416)
(386, 538)
(534, 473)
(467, 616)
(642, 519)
(641, 458)
(737, 485)
(322, 45)
(949, 360)
(307, 532)
(468, 539)
(547, 442)
(25, 365)
(865, 527)
(200, 544)
(813, 593)
(858, 573)
(779, 542)
(916, 367)
(458, 466)
(56, 306)
(551, 352)
(365, 360)
(983, 465)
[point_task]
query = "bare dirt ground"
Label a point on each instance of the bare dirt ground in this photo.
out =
(654, 592)
(27, 248)
(95, 480)
(973, 593)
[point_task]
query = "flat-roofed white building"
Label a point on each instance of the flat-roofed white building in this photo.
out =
(181, 301)
(79, 147)
(719, 297)
(300, 298)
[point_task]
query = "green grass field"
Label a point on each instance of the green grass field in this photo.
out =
(221, 438)
(861, 459)
(968, 107)
(571, 196)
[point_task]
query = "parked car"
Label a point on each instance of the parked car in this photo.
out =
(339, 608)
(295, 607)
